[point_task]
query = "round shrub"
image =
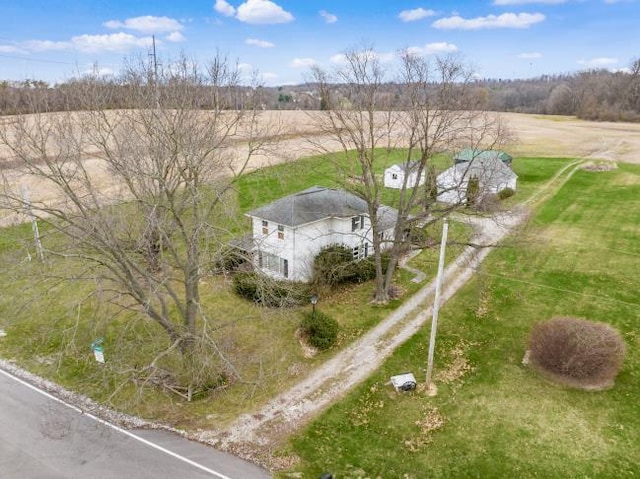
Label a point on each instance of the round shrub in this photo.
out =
(506, 193)
(320, 330)
(576, 351)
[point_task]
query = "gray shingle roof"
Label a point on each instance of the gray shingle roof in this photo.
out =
(489, 170)
(317, 203)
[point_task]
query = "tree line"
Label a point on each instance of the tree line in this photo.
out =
(592, 95)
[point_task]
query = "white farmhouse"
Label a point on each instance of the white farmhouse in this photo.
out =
(290, 232)
(493, 175)
(394, 176)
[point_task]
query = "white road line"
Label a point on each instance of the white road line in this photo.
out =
(119, 429)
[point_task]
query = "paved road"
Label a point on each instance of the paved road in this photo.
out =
(43, 438)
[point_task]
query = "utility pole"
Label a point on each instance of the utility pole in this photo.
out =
(155, 71)
(436, 306)
(34, 223)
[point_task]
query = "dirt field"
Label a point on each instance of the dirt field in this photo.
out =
(536, 136)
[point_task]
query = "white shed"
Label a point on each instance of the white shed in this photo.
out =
(394, 176)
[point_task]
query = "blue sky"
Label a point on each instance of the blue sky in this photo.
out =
(54, 40)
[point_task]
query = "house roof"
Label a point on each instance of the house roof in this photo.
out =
(469, 154)
(317, 203)
(489, 170)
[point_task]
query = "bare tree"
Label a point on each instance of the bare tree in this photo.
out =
(443, 112)
(139, 192)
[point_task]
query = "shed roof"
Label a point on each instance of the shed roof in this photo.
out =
(407, 166)
(469, 154)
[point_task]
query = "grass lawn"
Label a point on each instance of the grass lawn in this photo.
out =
(493, 417)
(51, 322)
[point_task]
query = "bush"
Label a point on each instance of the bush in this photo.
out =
(334, 265)
(506, 193)
(320, 330)
(365, 270)
(331, 266)
(229, 260)
(270, 292)
(577, 351)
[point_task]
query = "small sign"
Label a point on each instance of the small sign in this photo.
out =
(98, 351)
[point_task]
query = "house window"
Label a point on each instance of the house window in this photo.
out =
(273, 263)
(280, 232)
(394, 176)
(360, 252)
(357, 223)
(265, 227)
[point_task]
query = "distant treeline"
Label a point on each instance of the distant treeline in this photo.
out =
(592, 95)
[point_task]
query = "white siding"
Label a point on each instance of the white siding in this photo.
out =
(396, 182)
(452, 188)
(302, 244)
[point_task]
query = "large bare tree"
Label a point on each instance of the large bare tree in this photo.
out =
(138, 193)
(441, 111)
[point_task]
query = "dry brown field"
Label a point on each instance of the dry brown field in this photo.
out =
(536, 135)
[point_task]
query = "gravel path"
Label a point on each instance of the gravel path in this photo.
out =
(333, 379)
(251, 435)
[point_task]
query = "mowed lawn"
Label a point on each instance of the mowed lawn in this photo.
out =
(52, 313)
(493, 417)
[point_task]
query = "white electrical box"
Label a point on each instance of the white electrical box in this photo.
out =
(404, 382)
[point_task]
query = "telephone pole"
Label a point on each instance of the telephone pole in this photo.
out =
(436, 306)
(34, 223)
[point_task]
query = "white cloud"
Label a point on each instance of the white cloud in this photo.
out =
(433, 48)
(328, 17)
(8, 49)
(116, 42)
(530, 55)
(303, 62)
(259, 43)
(175, 37)
(415, 14)
(386, 57)
(262, 12)
(147, 24)
(524, 2)
(338, 58)
(599, 62)
(506, 20)
(223, 7)
(46, 45)
(98, 71)
(245, 68)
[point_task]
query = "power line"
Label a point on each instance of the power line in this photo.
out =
(36, 59)
(561, 241)
(545, 286)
